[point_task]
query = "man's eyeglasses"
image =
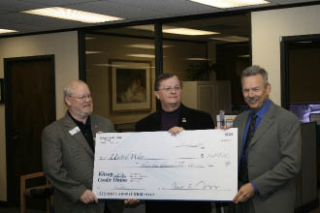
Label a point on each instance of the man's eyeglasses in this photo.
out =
(168, 89)
(81, 98)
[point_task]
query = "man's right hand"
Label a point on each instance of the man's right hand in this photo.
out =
(88, 197)
(131, 202)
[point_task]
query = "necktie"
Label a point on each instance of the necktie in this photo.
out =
(251, 129)
(243, 170)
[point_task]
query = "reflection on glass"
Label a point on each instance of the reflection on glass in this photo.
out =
(120, 73)
(303, 111)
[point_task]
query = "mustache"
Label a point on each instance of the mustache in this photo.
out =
(252, 99)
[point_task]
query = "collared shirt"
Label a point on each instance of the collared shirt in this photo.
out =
(85, 130)
(260, 114)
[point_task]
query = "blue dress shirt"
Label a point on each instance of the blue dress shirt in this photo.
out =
(260, 114)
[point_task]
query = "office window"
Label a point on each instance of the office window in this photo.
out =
(120, 71)
(122, 59)
(218, 50)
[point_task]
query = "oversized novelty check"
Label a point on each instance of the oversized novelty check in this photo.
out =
(194, 165)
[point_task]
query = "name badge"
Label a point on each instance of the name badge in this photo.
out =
(74, 131)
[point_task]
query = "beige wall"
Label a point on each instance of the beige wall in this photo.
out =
(64, 47)
(268, 27)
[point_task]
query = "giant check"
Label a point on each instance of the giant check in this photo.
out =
(194, 165)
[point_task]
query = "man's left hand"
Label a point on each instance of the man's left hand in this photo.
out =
(88, 197)
(175, 130)
(245, 192)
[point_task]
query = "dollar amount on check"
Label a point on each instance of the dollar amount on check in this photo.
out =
(194, 165)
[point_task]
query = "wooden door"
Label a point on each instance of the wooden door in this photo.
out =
(30, 106)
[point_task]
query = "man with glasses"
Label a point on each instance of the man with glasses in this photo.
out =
(175, 117)
(68, 153)
(269, 149)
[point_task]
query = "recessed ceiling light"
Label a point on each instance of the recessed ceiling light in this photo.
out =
(197, 59)
(74, 15)
(188, 31)
(146, 46)
(87, 38)
(142, 46)
(175, 30)
(230, 3)
(231, 38)
(89, 52)
(7, 31)
(148, 27)
(304, 42)
(141, 55)
(244, 56)
(118, 66)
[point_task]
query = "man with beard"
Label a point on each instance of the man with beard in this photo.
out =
(269, 146)
(68, 154)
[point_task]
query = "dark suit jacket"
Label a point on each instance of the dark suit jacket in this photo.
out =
(273, 159)
(190, 119)
(68, 164)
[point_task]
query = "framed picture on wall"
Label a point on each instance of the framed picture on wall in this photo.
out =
(1, 91)
(130, 86)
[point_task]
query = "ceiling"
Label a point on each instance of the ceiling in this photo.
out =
(231, 25)
(130, 10)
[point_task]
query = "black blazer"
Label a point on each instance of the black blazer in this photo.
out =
(189, 119)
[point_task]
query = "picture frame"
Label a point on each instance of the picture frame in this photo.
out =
(1, 91)
(130, 86)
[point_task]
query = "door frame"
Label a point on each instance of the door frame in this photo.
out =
(286, 41)
(285, 90)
